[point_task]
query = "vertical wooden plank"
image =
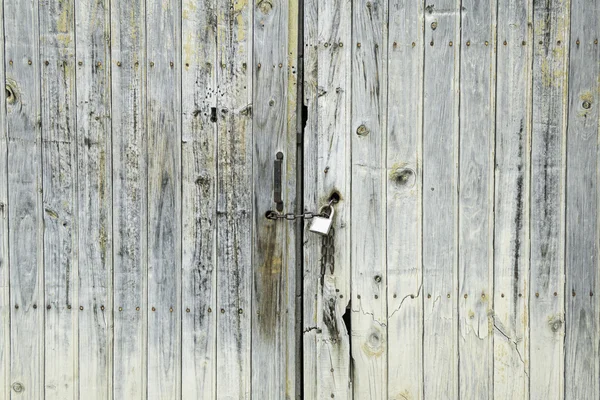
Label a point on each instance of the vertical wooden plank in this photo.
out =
(440, 207)
(546, 294)
(130, 193)
(404, 195)
(326, 171)
(26, 278)
(369, 279)
(476, 199)
(57, 55)
(199, 180)
(94, 197)
(511, 227)
(274, 130)
(163, 24)
(582, 236)
(234, 201)
(4, 265)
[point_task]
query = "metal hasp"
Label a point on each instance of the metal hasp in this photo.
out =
(277, 187)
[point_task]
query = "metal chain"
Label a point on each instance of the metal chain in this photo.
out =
(274, 215)
(327, 253)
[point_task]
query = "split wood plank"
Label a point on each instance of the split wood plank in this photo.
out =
(94, 198)
(163, 113)
(4, 261)
(25, 212)
(440, 200)
(199, 180)
(582, 201)
(546, 293)
(368, 215)
(476, 199)
(129, 171)
(59, 146)
(404, 199)
(274, 130)
(511, 229)
(234, 199)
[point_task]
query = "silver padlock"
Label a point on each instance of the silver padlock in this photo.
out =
(322, 225)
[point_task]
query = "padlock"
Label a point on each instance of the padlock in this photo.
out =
(322, 225)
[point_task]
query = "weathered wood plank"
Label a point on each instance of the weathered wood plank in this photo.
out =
(511, 227)
(476, 199)
(368, 215)
(21, 30)
(94, 197)
(57, 55)
(274, 130)
(199, 180)
(440, 202)
(582, 197)
(234, 201)
(546, 294)
(163, 32)
(129, 173)
(4, 266)
(327, 170)
(404, 196)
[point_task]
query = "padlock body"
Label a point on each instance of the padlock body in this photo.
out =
(320, 225)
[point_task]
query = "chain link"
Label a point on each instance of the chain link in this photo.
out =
(274, 215)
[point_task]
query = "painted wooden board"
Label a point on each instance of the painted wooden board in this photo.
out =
(199, 180)
(440, 200)
(4, 266)
(163, 113)
(234, 199)
(476, 199)
(547, 188)
(57, 58)
(328, 53)
(129, 172)
(94, 198)
(368, 215)
(511, 227)
(273, 258)
(23, 109)
(404, 199)
(582, 333)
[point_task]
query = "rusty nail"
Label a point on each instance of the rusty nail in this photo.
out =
(171, 309)
(222, 311)
(102, 308)
(326, 44)
(11, 62)
(428, 295)
(377, 278)
(573, 293)
(434, 25)
(502, 295)
(29, 62)
(395, 44)
(69, 306)
(376, 296)
(171, 64)
(152, 63)
(341, 44)
(505, 43)
(431, 43)
(483, 295)
(280, 65)
(120, 308)
(187, 310)
(466, 295)
(523, 43)
(98, 64)
(357, 44)
(413, 44)
(240, 311)
(46, 62)
(450, 44)
(358, 296)
(591, 294)
(153, 309)
(209, 309)
(80, 63)
(520, 295)
(16, 306)
(34, 306)
(555, 294)
(468, 42)
(259, 65)
(487, 43)
(537, 294)
(587, 105)
(118, 63)
(137, 309)
(577, 42)
(48, 306)
(81, 308)
(448, 295)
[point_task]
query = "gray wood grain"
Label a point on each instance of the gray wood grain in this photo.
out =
(25, 224)
(234, 200)
(582, 332)
(404, 199)
(440, 201)
(94, 198)
(199, 181)
(511, 227)
(368, 221)
(546, 294)
(129, 172)
(57, 57)
(476, 199)
(273, 256)
(4, 266)
(163, 113)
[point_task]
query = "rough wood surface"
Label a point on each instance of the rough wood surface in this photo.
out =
(546, 293)
(4, 266)
(511, 258)
(582, 332)
(163, 113)
(94, 198)
(129, 171)
(25, 207)
(404, 195)
(57, 58)
(476, 199)
(440, 202)
(199, 180)
(234, 200)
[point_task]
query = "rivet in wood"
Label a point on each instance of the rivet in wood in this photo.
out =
(326, 44)
(341, 44)
(502, 295)
(137, 309)
(358, 296)
(428, 295)
(46, 62)
(16, 306)
(448, 295)
(541, 42)
(466, 295)
(81, 308)
(69, 306)
(187, 310)
(505, 43)
(377, 278)
(332, 395)
(413, 44)
(577, 42)
(395, 44)
(271, 103)
(222, 311)
(331, 370)
(537, 294)
(209, 309)
(523, 43)
(11, 62)
(187, 65)
(171, 309)
(376, 46)
(520, 295)
(29, 62)
(120, 308)
(341, 296)
(280, 65)
(137, 64)
(102, 308)
(395, 295)
(151, 63)
(153, 309)
(171, 64)
(587, 105)
(412, 296)
(80, 63)
(118, 63)
(596, 41)
(434, 25)
(431, 43)
(487, 43)
(240, 311)
(573, 293)
(483, 295)
(326, 170)
(376, 296)
(259, 65)
(468, 42)
(98, 64)
(48, 307)
(555, 294)
(35, 306)
(558, 42)
(591, 294)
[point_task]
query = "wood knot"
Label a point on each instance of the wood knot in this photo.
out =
(362, 130)
(265, 6)
(403, 176)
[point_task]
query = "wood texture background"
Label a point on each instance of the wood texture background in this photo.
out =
(137, 146)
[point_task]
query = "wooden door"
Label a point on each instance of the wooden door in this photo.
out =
(462, 137)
